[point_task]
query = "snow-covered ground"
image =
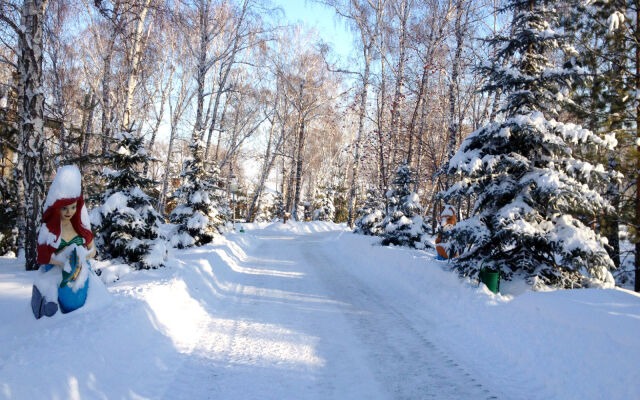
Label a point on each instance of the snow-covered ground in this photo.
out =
(312, 311)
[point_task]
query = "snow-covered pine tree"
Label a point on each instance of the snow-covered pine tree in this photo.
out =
(126, 224)
(196, 216)
(8, 181)
(530, 188)
(266, 207)
(371, 214)
(8, 212)
(340, 197)
(277, 209)
(323, 208)
(404, 225)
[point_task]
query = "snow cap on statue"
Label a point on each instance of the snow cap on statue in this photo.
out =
(67, 184)
(65, 189)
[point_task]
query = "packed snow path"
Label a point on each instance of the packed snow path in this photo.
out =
(300, 326)
(311, 311)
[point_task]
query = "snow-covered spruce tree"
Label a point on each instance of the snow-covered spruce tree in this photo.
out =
(8, 213)
(323, 208)
(265, 212)
(371, 214)
(127, 226)
(531, 190)
(8, 182)
(276, 210)
(196, 216)
(404, 225)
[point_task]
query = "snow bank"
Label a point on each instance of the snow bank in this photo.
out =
(294, 227)
(162, 324)
(566, 344)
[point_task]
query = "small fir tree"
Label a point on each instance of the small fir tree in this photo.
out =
(126, 224)
(276, 210)
(371, 215)
(8, 214)
(323, 208)
(196, 216)
(8, 181)
(531, 190)
(266, 210)
(404, 225)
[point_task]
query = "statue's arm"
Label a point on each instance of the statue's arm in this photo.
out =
(92, 249)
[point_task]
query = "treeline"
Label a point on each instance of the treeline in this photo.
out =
(273, 108)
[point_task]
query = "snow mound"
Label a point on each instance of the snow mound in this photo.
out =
(295, 227)
(67, 184)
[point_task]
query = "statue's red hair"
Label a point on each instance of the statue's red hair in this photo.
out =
(51, 218)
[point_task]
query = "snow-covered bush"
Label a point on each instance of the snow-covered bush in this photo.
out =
(275, 211)
(266, 211)
(127, 226)
(8, 215)
(531, 189)
(371, 214)
(8, 185)
(323, 208)
(404, 225)
(196, 217)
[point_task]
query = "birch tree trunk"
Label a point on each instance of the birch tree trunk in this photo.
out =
(394, 127)
(32, 122)
(269, 161)
(291, 172)
(355, 169)
(299, 160)
(453, 87)
(202, 68)
(87, 127)
(135, 57)
(222, 119)
(106, 96)
(163, 99)
(224, 75)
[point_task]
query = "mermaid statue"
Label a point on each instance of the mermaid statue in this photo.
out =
(65, 243)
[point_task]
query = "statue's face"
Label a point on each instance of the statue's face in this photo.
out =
(69, 211)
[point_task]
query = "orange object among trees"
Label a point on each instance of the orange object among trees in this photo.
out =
(447, 221)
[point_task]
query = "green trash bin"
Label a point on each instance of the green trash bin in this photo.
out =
(491, 279)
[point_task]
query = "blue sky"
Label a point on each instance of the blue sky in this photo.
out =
(323, 19)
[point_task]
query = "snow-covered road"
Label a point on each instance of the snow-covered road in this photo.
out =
(303, 327)
(314, 312)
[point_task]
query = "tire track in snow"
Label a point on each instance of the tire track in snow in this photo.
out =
(409, 365)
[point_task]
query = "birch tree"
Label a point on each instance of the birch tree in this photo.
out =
(31, 115)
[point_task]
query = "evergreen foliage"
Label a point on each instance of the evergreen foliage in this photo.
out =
(531, 190)
(604, 102)
(371, 214)
(197, 218)
(126, 224)
(404, 225)
(276, 210)
(323, 208)
(8, 214)
(8, 182)
(340, 197)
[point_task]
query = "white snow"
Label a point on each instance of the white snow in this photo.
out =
(117, 201)
(46, 237)
(198, 221)
(615, 19)
(85, 220)
(67, 184)
(312, 311)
